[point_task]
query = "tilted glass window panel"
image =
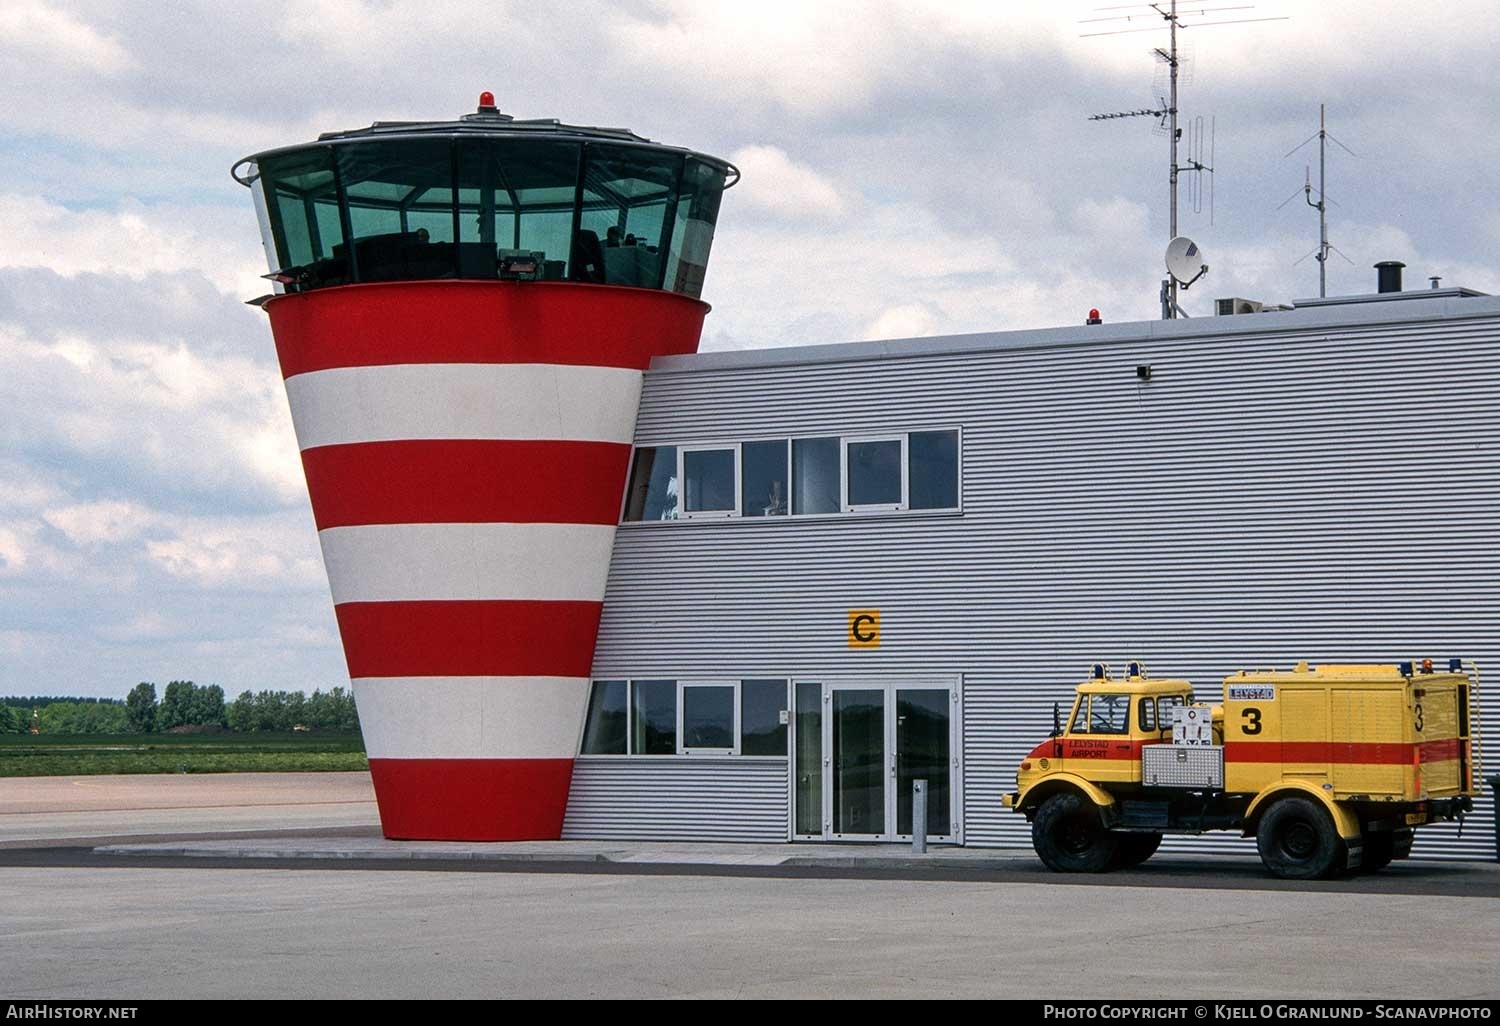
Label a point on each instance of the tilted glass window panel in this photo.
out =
(653, 716)
(606, 730)
(708, 481)
(652, 494)
(707, 718)
(815, 475)
(624, 227)
(932, 459)
(516, 197)
(1147, 713)
(875, 472)
(763, 717)
(764, 478)
(384, 181)
(693, 227)
(300, 195)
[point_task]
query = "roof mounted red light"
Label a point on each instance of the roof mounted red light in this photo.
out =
(486, 100)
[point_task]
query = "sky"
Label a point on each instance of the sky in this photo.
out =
(910, 168)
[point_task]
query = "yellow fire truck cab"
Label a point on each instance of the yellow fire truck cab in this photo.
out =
(1329, 768)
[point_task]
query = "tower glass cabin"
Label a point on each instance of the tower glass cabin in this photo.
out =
(463, 313)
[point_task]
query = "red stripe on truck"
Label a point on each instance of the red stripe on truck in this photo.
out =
(1369, 753)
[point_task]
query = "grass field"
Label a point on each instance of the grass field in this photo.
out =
(24, 755)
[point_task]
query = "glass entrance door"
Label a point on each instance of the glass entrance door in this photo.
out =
(857, 762)
(859, 747)
(924, 751)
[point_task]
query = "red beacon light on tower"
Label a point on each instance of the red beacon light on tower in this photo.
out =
(463, 313)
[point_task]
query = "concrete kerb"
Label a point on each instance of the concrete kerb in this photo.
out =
(655, 853)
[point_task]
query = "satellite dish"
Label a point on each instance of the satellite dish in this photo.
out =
(1185, 261)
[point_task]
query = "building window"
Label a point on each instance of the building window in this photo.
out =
(764, 478)
(708, 719)
(607, 727)
(875, 473)
(815, 475)
(653, 714)
(652, 494)
(669, 717)
(763, 717)
(768, 478)
(932, 469)
(710, 481)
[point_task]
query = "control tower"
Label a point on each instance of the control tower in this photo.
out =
(463, 312)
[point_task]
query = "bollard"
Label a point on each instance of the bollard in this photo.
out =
(919, 817)
(1494, 783)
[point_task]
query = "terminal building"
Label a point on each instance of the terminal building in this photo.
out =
(594, 584)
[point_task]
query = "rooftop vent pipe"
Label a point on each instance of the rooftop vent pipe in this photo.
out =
(1389, 275)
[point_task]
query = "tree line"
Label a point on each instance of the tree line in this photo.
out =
(184, 705)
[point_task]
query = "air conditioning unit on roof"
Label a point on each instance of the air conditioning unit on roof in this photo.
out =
(1235, 305)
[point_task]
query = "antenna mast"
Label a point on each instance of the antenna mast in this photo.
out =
(1167, 111)
(1325, 248)
(1322, 203)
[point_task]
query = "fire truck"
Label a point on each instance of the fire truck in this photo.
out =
(1330, 768)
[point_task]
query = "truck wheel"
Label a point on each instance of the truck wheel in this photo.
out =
(1069, 835)
(1297, 841)
(1381, 848)
(1137, 848)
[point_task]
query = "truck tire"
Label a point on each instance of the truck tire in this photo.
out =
(1137, 848)
(1069, 836)
(1297, 841)
(1382, 847)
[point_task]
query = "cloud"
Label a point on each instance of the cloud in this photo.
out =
(135, 240)
(256, 553)
(777, 185)
(907, 320)
(89, 523)
(166, 415)
(53, 35)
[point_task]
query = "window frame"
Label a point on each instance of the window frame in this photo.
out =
(683, 512)
(871, 507)
(845, 509)
(682, 747)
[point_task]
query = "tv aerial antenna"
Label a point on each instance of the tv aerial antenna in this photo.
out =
(1324, 246)
(1172, 15)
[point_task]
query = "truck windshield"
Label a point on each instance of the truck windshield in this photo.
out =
(1109, 714)
(1102, 714)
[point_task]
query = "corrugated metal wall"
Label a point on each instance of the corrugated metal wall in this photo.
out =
(1328, 492)
(678, 799)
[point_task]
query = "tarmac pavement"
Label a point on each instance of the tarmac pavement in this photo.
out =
(280, 886)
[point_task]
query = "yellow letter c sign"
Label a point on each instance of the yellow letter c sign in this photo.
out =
(864, 628)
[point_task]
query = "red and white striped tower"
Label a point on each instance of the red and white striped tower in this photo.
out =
(466, 444)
